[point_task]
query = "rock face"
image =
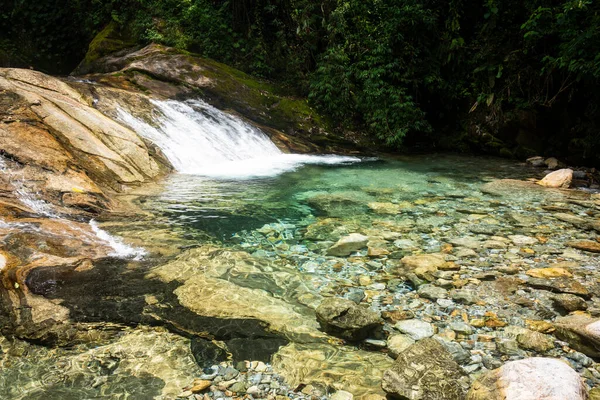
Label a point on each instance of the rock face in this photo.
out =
(71, 147)
(348, 245)
(424, 371)
(558, 179)
(581, 332)
(530, 379)
(343, 318)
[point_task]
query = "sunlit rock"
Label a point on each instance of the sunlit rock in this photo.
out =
(343, 368)
(345, 319)
(530, 379)
(348, 245)
(558, 179)
(425, 370)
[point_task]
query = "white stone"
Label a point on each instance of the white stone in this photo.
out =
(522, 240)
(415, 328)
(342, 395)
(558, 179)
(348, 245)
(530, 379)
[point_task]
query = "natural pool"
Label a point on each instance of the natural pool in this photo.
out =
(237, 267)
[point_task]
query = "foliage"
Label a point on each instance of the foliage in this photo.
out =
(397, 69)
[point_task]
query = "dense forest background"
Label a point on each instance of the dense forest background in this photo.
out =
(511, 77)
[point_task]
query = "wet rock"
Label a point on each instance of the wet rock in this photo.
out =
(461, 327)
(549, 273)
(531, 340)
(377, 252)
(200, 385)
(464, 296)
(342, 395)
(536, 161)
(424, 371)
(336, 204)
(385, 208)
(552, 163)
(585, 245)
(530, 379)
(559, 285)
(569, 302)
(343, 318)
(522, 240)
(432, 292)
(397, 343)
(558, 179)
(339, 367)
(515, 189)
(425, 261)
(348, 245)
(415, 328)
(581, 332)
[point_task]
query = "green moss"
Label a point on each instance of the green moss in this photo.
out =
(110, 40)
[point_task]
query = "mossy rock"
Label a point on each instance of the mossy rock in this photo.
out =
(111, 39)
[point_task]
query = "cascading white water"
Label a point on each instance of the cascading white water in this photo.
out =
(202, 140)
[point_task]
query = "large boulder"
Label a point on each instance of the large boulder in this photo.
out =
(348, 245)
(425, 371)
(530, 379)
(558, 179)
(343, 318)
(581, 332)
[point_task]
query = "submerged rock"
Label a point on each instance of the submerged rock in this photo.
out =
(342, 368)
(415, 328)
(345, 319)
(530, 379)
(348, 245)
(558, 179)
(581, 332)
(424, 371)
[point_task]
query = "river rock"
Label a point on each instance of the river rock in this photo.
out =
(432, 292)
(530, 379)
(536, 341)
(581, 332)
(559, 285)
(569, 302)
(398, 343)
(552, 163)
(343, 318)
(348, 245)
(339, 367)
(549, 273)
(385, 208)
(424, 371)
(585, 245)
(415, 328)
(558, 179)
(536, 161)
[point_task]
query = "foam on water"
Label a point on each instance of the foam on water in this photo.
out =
(199, 139)
(120, 249)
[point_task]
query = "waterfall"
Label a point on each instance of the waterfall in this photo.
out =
(202, 140)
